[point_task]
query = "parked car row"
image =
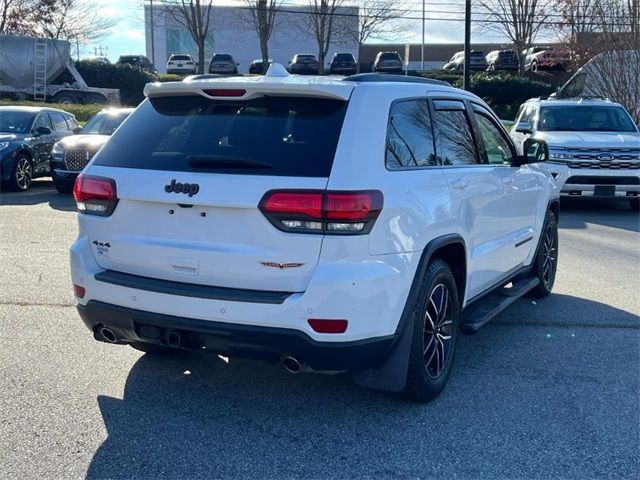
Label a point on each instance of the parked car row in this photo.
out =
(535, 59)
(42, 141)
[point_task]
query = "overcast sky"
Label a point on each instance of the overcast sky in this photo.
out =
(128, 35)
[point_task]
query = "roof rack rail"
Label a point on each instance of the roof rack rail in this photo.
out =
(387, 77)
(580, 97)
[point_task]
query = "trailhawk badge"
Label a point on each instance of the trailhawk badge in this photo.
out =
(282, 266)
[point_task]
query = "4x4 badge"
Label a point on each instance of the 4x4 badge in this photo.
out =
(176, 187)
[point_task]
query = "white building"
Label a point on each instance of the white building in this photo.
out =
(231, 33)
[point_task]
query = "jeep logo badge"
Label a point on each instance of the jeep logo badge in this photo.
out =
(605, 156)
(176, 187)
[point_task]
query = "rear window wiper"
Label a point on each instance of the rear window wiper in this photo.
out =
(204, 161)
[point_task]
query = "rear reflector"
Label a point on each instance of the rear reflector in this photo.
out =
(225, 92)
(328, 326)
(78, 291)
(325, 212)
(95, 195)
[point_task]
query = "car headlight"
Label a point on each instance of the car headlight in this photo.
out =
(3, 145)
(559, 154)
(57, 149)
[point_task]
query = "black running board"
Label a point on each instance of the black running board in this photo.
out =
(475, 317)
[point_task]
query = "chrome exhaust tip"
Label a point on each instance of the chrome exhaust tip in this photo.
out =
(291, 364)
(108, 335)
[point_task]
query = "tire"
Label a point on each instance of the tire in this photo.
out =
(534, 66)
(545, 264)
(21, 174)
(153, 349)
(63, 187)
(634, 203)
(96, 99)
(433, 349)
(66, 98)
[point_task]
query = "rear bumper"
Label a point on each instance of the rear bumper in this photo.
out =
(249, 341)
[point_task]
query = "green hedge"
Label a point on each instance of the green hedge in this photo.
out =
(130, 80)
(82, 112)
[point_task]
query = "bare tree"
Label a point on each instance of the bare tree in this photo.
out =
(261, 16)
(380, 19)
(17, 17)
(322, 22)
(576, 21)
(519, 20)
(71, 20)
(615, 70)
(195, 17)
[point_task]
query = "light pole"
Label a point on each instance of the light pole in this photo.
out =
(153, 44)
(467, 45)
(422, 49)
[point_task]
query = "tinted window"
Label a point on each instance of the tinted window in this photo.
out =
(104, 123)
(581, 118)
(454, 138)
(42, 120)
(288, 136)
(344, 57)
(221, 57)
(409, 135)
(59, 123)
(497, 148)
(180, 57)
(390, 56)
(13, 121)
(71, 121)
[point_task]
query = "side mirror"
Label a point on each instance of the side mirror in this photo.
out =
(535, 151)
(523, 127)
(43, 130)
(77, 130)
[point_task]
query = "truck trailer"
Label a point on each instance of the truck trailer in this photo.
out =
(28, 65)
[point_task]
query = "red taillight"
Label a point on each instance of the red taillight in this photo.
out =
(225, 92)
(95, 195)
(78, 291)
(318, 211)
(328, 326)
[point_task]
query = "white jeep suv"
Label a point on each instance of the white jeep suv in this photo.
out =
(594, 146)
(334, 225)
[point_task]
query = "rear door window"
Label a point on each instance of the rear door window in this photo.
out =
(59, 123)
(410, 136)
(281, 136)
(455, 143)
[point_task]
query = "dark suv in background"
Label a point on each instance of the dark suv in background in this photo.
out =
(71, 154)
(136, 60)
(343, 64)
(304, 64)
(27, 135)
(502, 60)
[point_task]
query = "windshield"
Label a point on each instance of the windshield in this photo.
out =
(282, 136)
(180, 57)
(221, 57)
(15, 121)
(104, 123)
(585, 119)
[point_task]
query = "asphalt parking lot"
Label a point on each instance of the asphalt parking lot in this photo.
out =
(549, 389)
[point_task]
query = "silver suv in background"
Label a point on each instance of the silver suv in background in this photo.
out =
(223, 63)
(389, 62)
(594, 146)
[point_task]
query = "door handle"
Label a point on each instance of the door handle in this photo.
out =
(507, 181)
(460, 184)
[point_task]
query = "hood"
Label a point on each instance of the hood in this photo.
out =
(590, 139)
(89, 142)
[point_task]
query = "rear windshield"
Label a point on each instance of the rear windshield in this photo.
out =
(280, 136)
(344, 56)
(221, 56)
(306, 57)
(180, 57)
(477, 55)
(389, 56)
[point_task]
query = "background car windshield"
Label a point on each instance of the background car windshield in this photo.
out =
(15, 122)
(103, 124)
(281, 136)
(221, 57)
(585, 119)
(389, 56)
(180, 57)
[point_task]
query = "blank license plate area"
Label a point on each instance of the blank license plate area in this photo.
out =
(604, 191)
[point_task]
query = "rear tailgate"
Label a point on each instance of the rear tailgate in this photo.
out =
(190, 171)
